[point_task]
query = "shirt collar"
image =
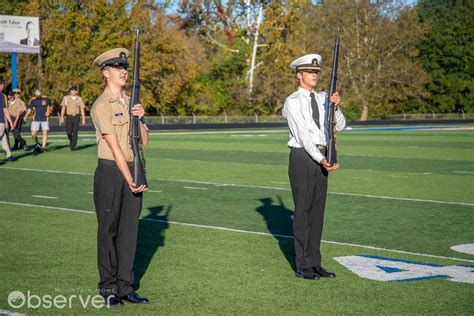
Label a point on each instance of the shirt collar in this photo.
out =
(112, 98)
(305, 92)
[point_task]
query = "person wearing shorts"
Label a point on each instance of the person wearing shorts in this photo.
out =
(41, 105)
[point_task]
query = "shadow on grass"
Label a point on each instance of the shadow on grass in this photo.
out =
(82, 147)
(280, 224)
(151, 236)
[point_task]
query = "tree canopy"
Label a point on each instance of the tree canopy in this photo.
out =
(212, 57)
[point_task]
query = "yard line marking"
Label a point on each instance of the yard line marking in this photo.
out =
(90, 192)
(255, 187)
(154, 191)
(45, 197)
(400, 199)
(48, 207)
(49, 171)
(468, 172)
(279, 182)
(250, 232)
(195, 188)
(9, 313)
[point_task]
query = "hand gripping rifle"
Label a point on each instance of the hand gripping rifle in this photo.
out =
(330, 114)
(134, 132)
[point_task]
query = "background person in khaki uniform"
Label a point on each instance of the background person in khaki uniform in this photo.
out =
(17, 110)
(117, 199)
(5, 121)
(72, 105)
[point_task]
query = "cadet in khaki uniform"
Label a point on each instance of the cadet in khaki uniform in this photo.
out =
(72, 105)
(5, 121)
(17, 109)
(117, 199)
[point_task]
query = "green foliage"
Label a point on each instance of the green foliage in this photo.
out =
(447, 53)
(198, 59)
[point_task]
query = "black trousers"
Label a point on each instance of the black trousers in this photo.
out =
(118, 212)
(72, 127)
(308, 182)
(19, 141)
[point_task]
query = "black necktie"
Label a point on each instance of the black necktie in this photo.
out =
(314, 107)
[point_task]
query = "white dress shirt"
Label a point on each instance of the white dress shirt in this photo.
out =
(304, 133)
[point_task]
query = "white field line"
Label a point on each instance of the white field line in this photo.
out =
(154, 191)
(254, 186)
(468, 172)
(195, 188)
(155, 133)
(400, 199)
(247, 232)
(45, 197)
(9, 313)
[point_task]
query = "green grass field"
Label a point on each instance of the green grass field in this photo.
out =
(407, 194)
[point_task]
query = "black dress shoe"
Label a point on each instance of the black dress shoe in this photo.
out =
(323, 273)
(134, 298)
(307, 274)
(113, 301)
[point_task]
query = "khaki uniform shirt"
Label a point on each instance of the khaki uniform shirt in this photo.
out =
(16, 107)
(110, 116)
(73, 106)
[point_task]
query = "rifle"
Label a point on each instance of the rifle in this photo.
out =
(330, 113)
(134, 132)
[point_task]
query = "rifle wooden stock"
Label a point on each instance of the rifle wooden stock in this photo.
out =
(330, 115)
(139, 177)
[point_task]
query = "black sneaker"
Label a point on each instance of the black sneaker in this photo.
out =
(37, 149)
(12, 158)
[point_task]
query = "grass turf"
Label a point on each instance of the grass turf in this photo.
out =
(186, 269)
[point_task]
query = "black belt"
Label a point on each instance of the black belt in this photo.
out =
(108, 162)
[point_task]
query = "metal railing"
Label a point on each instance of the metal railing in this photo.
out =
(224, 119)
(424, 116)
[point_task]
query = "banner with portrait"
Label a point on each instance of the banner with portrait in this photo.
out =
(19, 34)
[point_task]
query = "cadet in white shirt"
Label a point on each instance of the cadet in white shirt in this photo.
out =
(305, 112)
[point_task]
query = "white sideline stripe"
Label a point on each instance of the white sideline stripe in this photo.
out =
(195, 188)
(468, 172)
(255, 187)
(248, 232)
(10, 313)
(48, 207)
(401, 199)
(45, 197)
(154, 191)
(154, 133)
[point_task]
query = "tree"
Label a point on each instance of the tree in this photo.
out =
(447, 53)
(377, 51)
